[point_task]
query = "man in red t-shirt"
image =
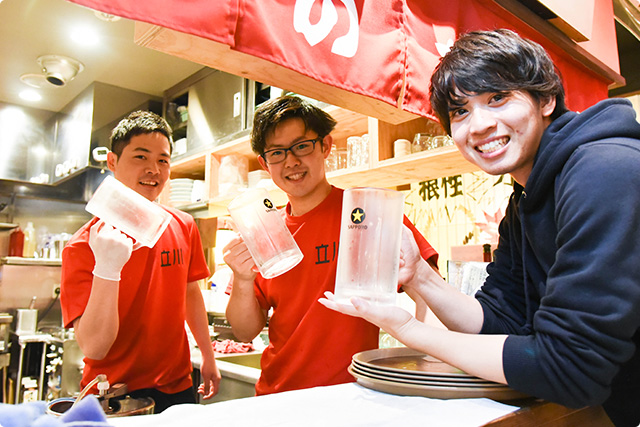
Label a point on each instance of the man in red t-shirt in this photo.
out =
(309, 345)
(128, 307)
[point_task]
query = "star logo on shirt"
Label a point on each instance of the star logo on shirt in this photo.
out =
(357, 216)
(268, 203)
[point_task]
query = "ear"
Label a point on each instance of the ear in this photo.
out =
(547, 105)
(264, 164)
(327, 145)
(112, 160)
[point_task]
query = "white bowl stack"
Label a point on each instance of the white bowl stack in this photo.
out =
(181, 191)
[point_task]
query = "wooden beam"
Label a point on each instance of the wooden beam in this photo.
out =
(222, 57)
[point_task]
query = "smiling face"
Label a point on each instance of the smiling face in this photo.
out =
(500, 132)
(302, 178)
(144, 164)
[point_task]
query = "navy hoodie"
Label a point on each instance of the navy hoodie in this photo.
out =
(565, 283)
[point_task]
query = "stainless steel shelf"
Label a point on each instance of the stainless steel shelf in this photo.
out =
(16, 260)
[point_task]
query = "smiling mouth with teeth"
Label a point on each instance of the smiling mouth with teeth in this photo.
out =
(493, 145)
(296, 176)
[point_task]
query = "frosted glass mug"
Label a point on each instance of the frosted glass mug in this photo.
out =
(369, 250)
(123, 208)
(267, 237)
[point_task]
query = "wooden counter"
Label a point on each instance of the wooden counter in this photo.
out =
(538, 413)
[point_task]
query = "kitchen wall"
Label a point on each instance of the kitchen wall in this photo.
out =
(48, 217)
(27, 138)
(20, 283)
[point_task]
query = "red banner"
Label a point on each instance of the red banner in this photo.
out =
(431, 29)
(353, 45)
(386, 50)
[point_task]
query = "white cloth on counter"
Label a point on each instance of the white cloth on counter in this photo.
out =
(340, 405)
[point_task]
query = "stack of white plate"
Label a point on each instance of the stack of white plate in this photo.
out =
(408, 372)
(181, 191)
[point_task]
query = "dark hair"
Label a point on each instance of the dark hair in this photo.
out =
(138, 123)
(275, 111)
(494, 61)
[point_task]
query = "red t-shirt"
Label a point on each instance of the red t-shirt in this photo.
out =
(151, 349)
(309, 344)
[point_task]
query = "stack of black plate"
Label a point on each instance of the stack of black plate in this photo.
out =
(408, 372)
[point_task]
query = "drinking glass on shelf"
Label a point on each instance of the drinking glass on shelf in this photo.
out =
(354, 149)
(421, 142)
(357, 150)
(441, 141)
(331, 162)
(364, 144)
(342, 158)
(401, 147)
(337, 159)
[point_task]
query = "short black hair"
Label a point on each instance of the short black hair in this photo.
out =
(273, 112)
(138, 123)
(494, 61)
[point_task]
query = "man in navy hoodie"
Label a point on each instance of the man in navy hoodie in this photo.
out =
(558, 315)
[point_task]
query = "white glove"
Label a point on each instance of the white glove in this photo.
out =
(111, 249)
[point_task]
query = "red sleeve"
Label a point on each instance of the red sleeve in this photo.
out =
(198, 268)
(426, 250)
(76, 276)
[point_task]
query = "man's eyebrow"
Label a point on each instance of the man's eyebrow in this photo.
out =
(146, 150)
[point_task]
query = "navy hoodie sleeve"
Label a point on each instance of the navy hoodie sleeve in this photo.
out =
(583, 315)
(502, 296)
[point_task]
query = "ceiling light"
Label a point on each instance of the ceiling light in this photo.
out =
(59, 70)
(85, 36)
(30, 95)
(105, 16)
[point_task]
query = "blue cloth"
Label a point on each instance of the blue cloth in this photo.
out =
(565, 284)
(22, 415)
(87, 413)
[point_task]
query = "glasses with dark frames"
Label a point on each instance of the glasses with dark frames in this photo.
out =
(299, 149)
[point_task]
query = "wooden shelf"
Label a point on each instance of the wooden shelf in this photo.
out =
(408, 169)
(383, 171)
(192, 167)
(388, 173)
